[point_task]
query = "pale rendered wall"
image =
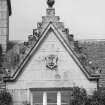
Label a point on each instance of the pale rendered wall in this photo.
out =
(36, 75)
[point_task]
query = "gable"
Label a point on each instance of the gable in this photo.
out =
(67, 74)
(50, 29)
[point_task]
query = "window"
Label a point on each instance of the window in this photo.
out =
(51, 97)
(37, 98)
(65, 97)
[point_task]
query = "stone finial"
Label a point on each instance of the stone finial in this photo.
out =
(50, 3)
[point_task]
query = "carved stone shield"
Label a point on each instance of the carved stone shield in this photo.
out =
(51, 61)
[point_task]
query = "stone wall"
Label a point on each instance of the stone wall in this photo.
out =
(19, 96)
(4, 24)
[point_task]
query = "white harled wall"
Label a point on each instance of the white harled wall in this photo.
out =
(4, 24)
(37, 75)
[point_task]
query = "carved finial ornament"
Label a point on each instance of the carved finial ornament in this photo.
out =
(50, 3)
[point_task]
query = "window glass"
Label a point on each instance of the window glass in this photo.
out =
(65, 97)
(52, 98)
(38, 98)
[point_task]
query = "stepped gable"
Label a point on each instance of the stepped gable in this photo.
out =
(23, 51)
(93, 52)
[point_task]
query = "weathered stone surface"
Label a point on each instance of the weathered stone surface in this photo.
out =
(36, 75)
(4, 20)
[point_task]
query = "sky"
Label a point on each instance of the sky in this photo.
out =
(84, 18)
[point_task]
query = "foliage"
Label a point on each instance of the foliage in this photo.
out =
(11, 59)
(99, 97)
(79, 96)
(5, 98)
(10, 45)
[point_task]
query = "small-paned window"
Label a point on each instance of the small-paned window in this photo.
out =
(65, 97)
(38, 98)
(51, 98)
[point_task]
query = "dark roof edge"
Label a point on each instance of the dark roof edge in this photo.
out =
(9, 7)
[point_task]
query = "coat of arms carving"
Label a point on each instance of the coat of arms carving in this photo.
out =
(51, 61)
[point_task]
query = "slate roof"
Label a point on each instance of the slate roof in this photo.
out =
(95, 52)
